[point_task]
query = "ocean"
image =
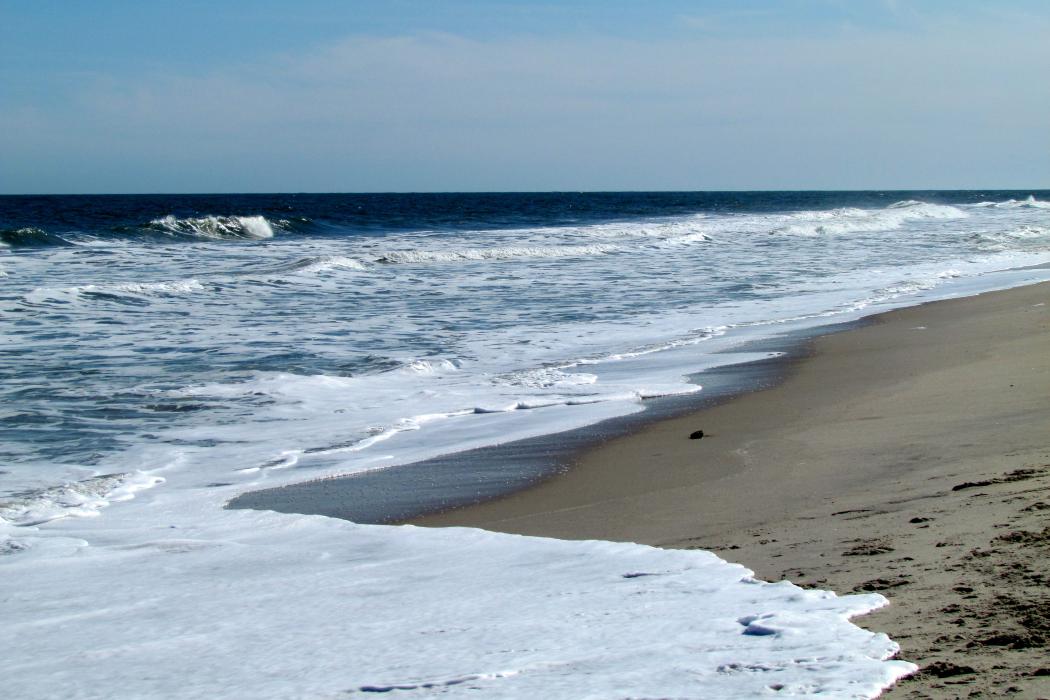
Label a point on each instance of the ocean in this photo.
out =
(164, 354)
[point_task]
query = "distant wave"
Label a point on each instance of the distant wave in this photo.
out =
(216, 227)
(137, 292)
(1030, 203)
(203, 228)
(498, 253)
(1022, 236)
(323, 263)
(689, 229)
(129, 293)
(31, 237)
(851, 219)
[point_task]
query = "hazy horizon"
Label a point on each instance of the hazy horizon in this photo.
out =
(1033, 190)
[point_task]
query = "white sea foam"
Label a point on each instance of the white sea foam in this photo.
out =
(431, 366)
(75, 499)
(151, 288)
(688, 239)
(850, 220)
(325, 263)
(500, 253)
(275, 605)
(691, 338)
(129, 290)
(906, 288)
(1025, 236)
(217, 227)
(545, 378)
(1028, 203)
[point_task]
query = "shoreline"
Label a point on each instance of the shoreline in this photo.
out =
(465, 478)
(908, 455)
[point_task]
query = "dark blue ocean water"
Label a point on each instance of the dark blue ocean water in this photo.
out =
(76, 216)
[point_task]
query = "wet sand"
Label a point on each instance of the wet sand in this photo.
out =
(910, 456)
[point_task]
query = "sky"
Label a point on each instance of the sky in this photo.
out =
(501, 95)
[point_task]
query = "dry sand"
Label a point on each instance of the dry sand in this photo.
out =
(910, 456)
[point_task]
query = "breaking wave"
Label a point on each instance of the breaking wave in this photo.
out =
(1026, 236)
(688, 228)
(135, 292)
(31, 237)
(851, 219)
(216, 227)
(434, 366)
(326, 262)
(207, 228)
(158, 288)
(1029, 203)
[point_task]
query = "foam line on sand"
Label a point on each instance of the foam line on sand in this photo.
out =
(909, 456)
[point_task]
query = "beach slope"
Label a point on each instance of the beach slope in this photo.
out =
(910, 456)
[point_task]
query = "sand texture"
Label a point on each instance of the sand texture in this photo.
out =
(910, 456)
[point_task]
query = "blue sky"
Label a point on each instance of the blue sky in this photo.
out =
(406, 95)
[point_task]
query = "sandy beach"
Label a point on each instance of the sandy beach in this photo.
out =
(909, 456)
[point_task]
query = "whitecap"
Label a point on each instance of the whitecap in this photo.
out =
(1028, 203)
(855, 220)
(325, 263)
(216, 227)
(131, 292)
(433, 366)
(1025, 236)
(152, 288)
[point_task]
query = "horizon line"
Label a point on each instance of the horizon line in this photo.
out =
(495, 192)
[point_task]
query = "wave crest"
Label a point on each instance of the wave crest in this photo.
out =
(1021, 237)
(216, 227)
(30, 237)
(1029, 203)
(326, 262)
(852, 220)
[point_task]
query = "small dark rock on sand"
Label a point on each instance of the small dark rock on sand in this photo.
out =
(881, 584)
(973, 484)
(868, 549)
(944, 669)
(696, 435)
